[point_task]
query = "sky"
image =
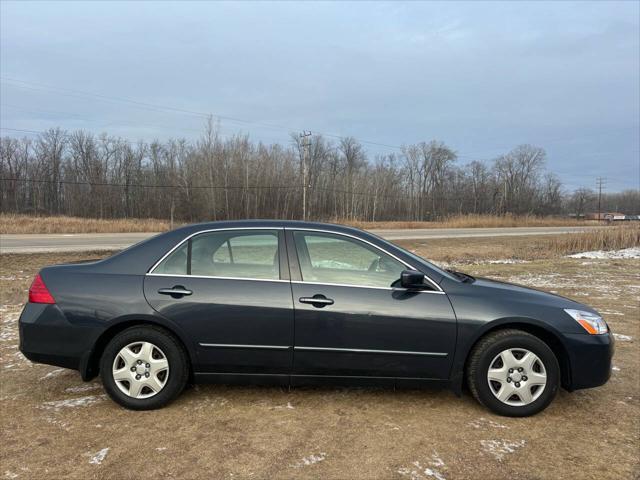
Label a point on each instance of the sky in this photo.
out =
(481, 77)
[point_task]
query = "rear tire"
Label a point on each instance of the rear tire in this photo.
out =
(513, 373)
(144, 368)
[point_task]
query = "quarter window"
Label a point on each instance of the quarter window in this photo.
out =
(239, 254)
(327, 258)
(176, 263)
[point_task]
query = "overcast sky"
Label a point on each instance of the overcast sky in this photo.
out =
(482, 77)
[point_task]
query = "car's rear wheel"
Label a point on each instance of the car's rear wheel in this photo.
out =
(143, 368)
(513, 373)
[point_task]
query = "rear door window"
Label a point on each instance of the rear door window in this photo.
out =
(250, 254)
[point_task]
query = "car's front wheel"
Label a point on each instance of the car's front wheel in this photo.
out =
(513, 373)
(143, 368)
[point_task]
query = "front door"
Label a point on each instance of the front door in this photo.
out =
(350, 321)
(229, 291)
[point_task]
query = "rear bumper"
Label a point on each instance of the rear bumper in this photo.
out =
(590, 359)
(46, 336)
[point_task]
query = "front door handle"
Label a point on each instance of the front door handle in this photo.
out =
(317, 301)
(176, 292)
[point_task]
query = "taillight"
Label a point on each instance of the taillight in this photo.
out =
(39, 293)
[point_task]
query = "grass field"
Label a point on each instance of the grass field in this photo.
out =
(10, 223)
(466, 250)
(52, 425)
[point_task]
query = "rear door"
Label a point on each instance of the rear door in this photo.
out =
(229, 291)
(350, 321)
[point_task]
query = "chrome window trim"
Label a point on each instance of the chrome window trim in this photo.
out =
(278, 280)
(396, 289)
(235, 345)
(210, 230)
(366, 350)
(302, 229)
(411, 267)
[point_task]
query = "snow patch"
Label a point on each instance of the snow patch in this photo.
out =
(500, 448)
(506, 261)
(73, 402)
(485, 422)
(54, 373)
(615, 369)
(311, 460)
(98, 457)
(82, 388)
(420, 472)
(625, 253)
(287, 406)
(622, 338)
(9, 474)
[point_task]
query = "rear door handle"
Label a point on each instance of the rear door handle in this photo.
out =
(176, 291)
(318, 301)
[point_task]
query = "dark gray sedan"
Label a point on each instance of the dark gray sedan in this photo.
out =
(293, 303)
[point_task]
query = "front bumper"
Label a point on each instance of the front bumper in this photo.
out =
(590, 359)
(46, 336)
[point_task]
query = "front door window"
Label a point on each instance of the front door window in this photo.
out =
(336, 259)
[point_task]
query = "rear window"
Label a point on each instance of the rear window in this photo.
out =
(238, 254)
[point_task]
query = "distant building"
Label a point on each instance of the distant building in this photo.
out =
(603, 215)
(611, 216)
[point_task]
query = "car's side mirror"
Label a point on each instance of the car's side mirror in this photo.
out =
(412, 279)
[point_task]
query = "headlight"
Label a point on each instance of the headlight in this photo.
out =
(592, 323)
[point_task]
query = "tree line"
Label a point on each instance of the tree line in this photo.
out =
(215, 178)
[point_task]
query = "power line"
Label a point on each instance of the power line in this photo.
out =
(121, 123)
(159, 107)
(153, 106)
(142, 185)
(199, 187)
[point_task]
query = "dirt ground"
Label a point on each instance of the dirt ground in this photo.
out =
(54, 426)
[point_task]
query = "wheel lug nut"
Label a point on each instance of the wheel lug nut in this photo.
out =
(137, 377)
(148, 365)
(517, 384)
(146, 374)
(508, 379)
(520, 369)
(133, 369)
(511, 370)
(524, 378)
(139, 362)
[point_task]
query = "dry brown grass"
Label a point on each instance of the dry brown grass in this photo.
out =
(475, 221)
(10, 223)
(624, 236)
(21, 224)
(52, 423)
(525, 248)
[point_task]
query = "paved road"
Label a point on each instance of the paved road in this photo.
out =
(116, 241)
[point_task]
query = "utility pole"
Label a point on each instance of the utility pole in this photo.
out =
(305, 145)
(600, 182)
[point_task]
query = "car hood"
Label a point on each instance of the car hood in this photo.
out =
(528, 294)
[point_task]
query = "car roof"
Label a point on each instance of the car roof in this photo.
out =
(270, 223)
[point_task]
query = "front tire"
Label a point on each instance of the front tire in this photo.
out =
(513, 373)
(144, 368)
